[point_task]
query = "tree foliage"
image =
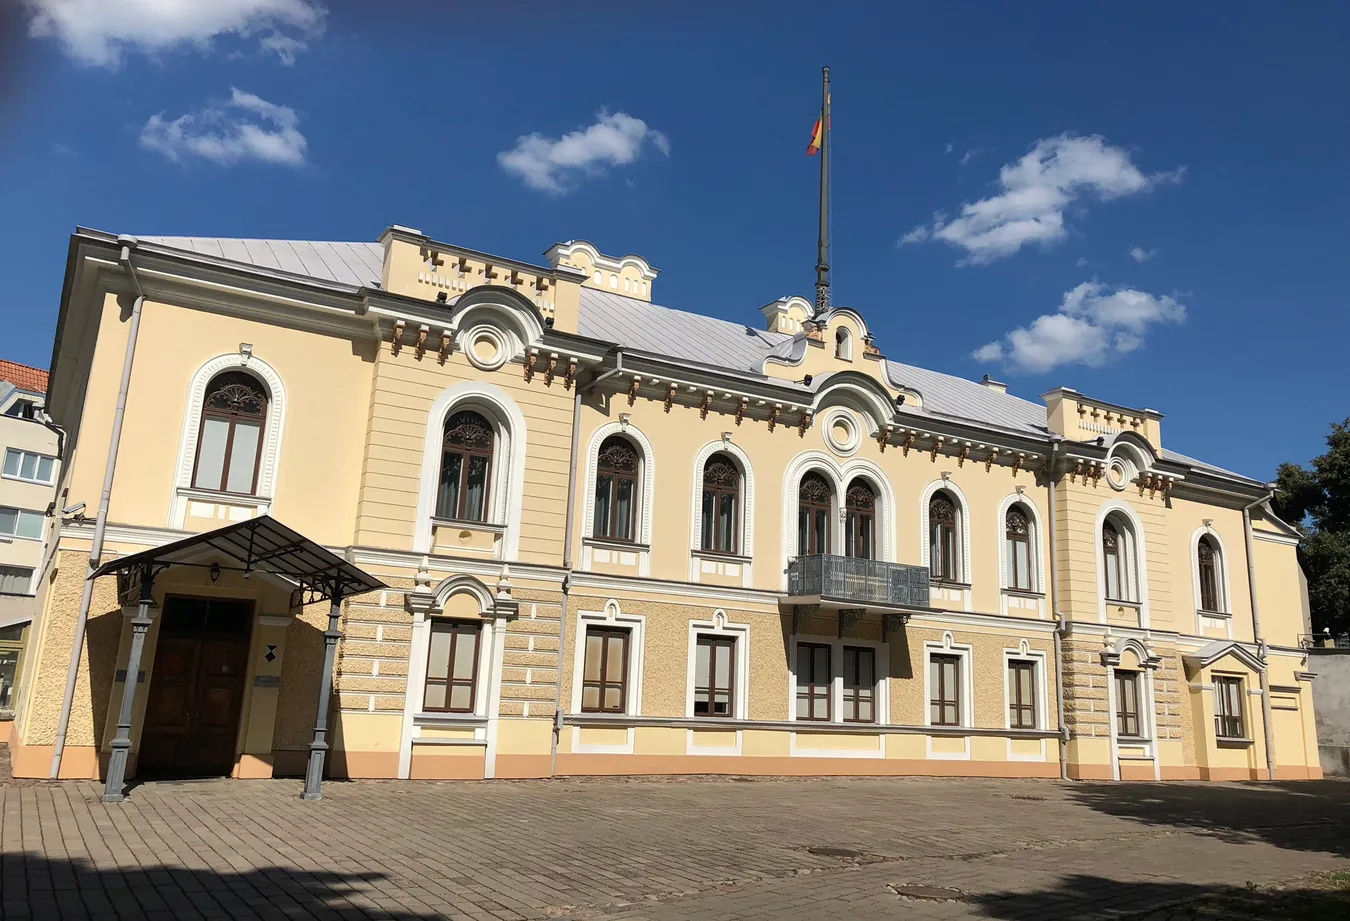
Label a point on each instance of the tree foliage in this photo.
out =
(1317, 500)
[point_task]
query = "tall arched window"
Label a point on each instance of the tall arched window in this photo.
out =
(1119, 561)
(1018, 537)
(843, 345)
(1207, 557)
(943, 560)
(616, 476)
(466, 463)
(813, 514)
(721, 504)
(860, 534)
(229, 445)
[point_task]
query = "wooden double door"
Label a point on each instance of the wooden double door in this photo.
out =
(197, 688)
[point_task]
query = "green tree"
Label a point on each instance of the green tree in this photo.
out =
(1317, 501)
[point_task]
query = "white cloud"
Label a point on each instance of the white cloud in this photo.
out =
(243, 128)
(1036, 191)
(1139, 254)
(971, 155)
(98, 32)
(1081, 261)
(1091, 326)
(556, 165)
(949, 148)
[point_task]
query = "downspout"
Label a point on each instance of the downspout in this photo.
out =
(1260, 643)
(567, 555)
(101, 520)
(1059, 615)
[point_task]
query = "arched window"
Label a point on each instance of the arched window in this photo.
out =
(466, 464)
(616, 489)
(860, 534)
(1118, 561)
(1207, 556)
(843, 345)
(721, 504)
(1018, 536)
(813, 515)
(943, 561)
(229, 445)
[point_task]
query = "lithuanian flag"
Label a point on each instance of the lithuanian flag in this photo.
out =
(817, 136)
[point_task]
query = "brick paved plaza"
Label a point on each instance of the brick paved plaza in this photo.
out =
(652, 849)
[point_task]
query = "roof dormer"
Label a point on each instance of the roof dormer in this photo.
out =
(787, 314)
(630, 275)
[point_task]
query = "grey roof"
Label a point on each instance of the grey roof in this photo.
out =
(355, 264)
(665, 331)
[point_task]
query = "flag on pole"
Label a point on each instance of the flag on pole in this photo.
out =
(817, 136)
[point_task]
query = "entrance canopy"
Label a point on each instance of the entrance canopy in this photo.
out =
(260, 545)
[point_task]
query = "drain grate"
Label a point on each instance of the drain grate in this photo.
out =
(929, 893)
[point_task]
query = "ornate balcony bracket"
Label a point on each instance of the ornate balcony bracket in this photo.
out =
(849, 618)
(801, 613)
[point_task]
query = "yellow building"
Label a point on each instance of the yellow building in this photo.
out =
(619, 538)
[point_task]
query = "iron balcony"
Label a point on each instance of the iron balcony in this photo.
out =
(857, 581)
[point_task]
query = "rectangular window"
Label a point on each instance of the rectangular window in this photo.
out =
(452, 666)
(16, 580)
(1127, 705)
(1228, 722)
(604, 680)
(18, 522)
(813, 681)
(715, 676)
(1021, 694)
(860, 684)
(25, 465)
(944, 674)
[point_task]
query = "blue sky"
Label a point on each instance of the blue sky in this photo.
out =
(1024, 150)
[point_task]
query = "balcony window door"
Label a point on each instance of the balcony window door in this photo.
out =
(813, 515)
(1018, 536)
(721, 504)
(616, 490)
(942, 555)
(466, 463)
(229, 444)
(860, 524)
(1208, 561)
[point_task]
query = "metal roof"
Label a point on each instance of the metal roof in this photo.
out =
(261, 545)
(642, 326)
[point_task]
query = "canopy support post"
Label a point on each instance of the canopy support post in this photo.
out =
(318, 749)
(114, 791)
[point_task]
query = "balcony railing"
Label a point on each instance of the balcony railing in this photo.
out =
(859, 581)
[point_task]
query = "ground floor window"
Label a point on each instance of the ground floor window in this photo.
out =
(452, 666)
(944, 704)
(714, 676)
(1021, 694)
(604, 680)
(813, 681)
(1228, 710)
(860, 684)
(1127, 705)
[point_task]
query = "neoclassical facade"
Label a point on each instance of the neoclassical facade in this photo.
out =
(620, 538)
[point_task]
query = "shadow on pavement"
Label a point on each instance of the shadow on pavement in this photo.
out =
(1302, 816)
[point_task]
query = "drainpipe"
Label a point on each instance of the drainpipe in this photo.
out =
(101, 520)
(1059, 615)
(1260, 643)
(567, 556)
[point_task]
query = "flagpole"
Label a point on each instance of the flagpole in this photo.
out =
(823, 255)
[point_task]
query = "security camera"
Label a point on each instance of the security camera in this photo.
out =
(73, 510)
(900, 401)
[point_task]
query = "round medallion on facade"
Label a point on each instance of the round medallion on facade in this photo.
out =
(485, 348)
(842, 432)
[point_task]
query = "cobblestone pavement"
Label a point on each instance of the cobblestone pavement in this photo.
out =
(706, 849)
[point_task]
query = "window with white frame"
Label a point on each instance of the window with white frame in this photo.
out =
(814, 680)
(1130, 723)
(948, 683)
(860, 684)
(715, 675)
(617, 470)
(452, 666)
(1119, 563)
(720, 515)
(29, 466)
(1022, 705)
(1228, 709)
(605, 669)
(230, 441)
(1018, 550)
(1209, 567)
(16, 580)
(463, 490)
(944, 537)
(20, 523)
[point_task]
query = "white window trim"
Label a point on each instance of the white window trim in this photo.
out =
(646, 479)
(1147, 727)
(800, 743)
(18, 478)
(262, 497)
(636, 624)
(1039, 562)
(1024, 652)
(32, 573)
(963, 565)
(719, 627)
(839, 476)
(505, 495)
(843, 344)
(746, 542)
(1136, 558)
(949, 647)
(1226, 594)
(1245, 695)
(20, 512)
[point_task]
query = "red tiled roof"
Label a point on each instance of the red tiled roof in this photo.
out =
(23, 377)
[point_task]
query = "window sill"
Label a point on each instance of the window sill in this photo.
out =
(720, 555)
(463, 525)
(610, 543)
(436, 718)
(1233, 741)
(1133, 740)
(949, 583)
(17, 595)
(19, 479)
(1122, 603)
(1023, 593)
(192, 492)
(1223, 614)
